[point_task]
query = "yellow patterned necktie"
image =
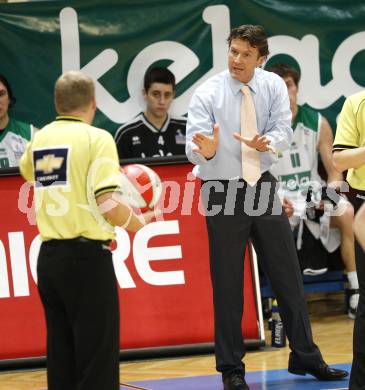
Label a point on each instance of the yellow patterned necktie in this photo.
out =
(251, 166)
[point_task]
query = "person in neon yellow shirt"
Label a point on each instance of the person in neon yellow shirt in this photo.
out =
(349, 154)
(79, 200)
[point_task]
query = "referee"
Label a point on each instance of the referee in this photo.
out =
(349, 153)
(75, 169)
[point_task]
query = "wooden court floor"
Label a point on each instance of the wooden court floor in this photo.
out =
(331, 328)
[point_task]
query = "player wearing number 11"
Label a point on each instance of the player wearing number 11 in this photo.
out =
(297, 167)
(236, 121)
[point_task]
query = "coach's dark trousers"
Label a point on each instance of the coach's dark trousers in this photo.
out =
(357, 378)
(235, 213)
(78, 289)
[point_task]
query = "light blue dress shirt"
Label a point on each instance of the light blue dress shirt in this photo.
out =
(218, 100)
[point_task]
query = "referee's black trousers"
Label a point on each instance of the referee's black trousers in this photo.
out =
(78, 289)
(357, 377)
(233, 218)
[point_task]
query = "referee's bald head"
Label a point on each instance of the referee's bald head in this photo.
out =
(74, 91)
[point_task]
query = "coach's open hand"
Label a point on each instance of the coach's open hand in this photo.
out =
(206, 146)
(260, 143)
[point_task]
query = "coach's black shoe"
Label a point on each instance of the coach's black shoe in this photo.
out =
(321, 371)
(235, 381)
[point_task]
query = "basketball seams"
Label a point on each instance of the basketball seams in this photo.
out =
(131, 192)
(143, 186)
(146, 181)
(155, 187)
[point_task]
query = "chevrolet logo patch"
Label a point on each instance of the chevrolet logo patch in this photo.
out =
(49, 163)
(51, 166)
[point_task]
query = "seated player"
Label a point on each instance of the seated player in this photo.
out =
(14, 134)
(154, 133)
(297, 170)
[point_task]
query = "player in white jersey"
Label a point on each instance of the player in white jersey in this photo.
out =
(297, 171)
(14, 134)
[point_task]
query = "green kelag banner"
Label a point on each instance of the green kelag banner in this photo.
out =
(116, 41)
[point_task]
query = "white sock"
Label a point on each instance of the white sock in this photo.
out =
(352, 278)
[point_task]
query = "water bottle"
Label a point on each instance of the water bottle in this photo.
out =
(278, 339)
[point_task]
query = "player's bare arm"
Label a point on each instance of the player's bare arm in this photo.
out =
(119, 213)
(325, 150)
(349, 158)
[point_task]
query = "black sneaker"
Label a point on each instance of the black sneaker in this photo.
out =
(235, 381)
